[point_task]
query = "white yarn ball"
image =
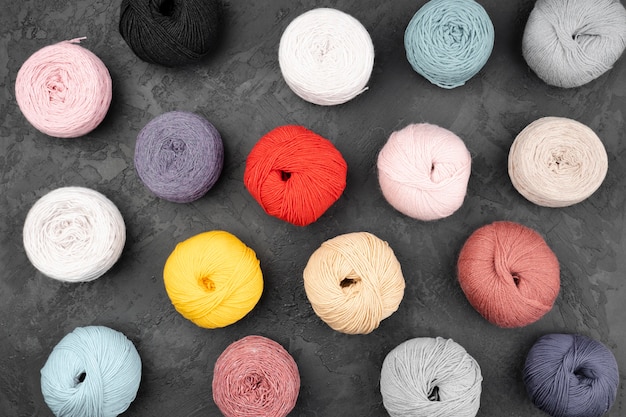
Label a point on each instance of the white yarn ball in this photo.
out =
(326, 56)
(74, 234)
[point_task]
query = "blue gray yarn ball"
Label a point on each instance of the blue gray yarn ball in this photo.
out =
(93, 371)
(449, 41)
(571, 376)
(569, 43)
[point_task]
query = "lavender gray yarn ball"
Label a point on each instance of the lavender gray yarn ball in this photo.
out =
(570, 375)
(569, 43)
(179, 156)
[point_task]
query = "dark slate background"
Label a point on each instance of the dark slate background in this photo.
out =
(241, 91)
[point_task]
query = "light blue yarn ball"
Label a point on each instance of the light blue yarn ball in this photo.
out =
(93, 371)
(449, 41)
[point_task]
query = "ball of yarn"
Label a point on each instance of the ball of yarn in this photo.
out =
(571, 376)
(569, 43)
(74, 234)
(449, 41)
(425, 377)
(171, 33)
(213, 279)
(557, 162)
(326, 56)
(255, 376)
(179, 156)
(295, 174)
(509, 274)
(353, 282)
(423, 171)
(92, 371)
(64, 90)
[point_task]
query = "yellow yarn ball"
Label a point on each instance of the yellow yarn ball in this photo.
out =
(213, 279)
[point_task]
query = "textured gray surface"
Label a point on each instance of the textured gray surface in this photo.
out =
(240, 90)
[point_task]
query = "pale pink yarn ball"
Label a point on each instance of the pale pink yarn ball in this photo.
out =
(423, 171)
(64, 90)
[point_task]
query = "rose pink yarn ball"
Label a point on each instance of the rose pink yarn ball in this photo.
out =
(255, 377)
(423, 171)
(64, 90)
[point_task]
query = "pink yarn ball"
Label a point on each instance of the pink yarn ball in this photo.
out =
(423, 171)
(64, 90)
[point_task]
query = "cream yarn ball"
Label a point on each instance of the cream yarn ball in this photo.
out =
(423, 171)
(74, 234)
(557, 162)
(353, 282)
(326, 56)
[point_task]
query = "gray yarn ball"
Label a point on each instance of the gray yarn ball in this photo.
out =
(430, 377)
(569, 43)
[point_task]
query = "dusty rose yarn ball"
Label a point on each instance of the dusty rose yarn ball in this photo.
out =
(423, 171)
(255, 377)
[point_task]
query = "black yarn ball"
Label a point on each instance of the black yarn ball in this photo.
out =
(171, 33)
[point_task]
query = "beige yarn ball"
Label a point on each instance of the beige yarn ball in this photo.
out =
(557, 162)
(353, 282)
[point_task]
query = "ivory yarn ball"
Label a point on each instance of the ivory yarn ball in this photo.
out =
(353, 282)
(64, 90)
(423, 171)
(93, 371)
(569, 375)
(569, 43)
(557, 162)
(255, 376)
(326, 56)
(74, 234)
(213, 279)
(426, 377)
(509, 274)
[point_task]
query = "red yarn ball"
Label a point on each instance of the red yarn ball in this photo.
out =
(509, 274)
(295, 174)
(255, 376)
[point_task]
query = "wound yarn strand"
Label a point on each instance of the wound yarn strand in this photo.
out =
(255, 377)
(353, 282)
(171, 33)
(74, 234)
(326, 56)
(64, 90)
(557, 162)
(179, 156)
(569, 43)
(449, 41)
(430, 377)
(93, 371)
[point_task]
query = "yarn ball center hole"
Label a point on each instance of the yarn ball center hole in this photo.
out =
(166, 8)
(207, 283)
(255, 383)
(433, 395)
(584, 375)
(516, 278)
(80, 378)
(284, 175)
(348, 284)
